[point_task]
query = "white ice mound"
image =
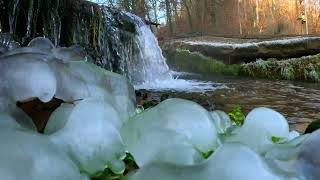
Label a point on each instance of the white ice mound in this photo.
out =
(115, 85)
(73, 53)
(177, 123)
(309, 157)
(77, 80)
(282, 158)
(221, 120)
(58, 118)
(90, 135)
(24, 79)
(229, 162)
(297, 158)
(26, 155)
(10, 108)
(260, 127)
(41, 43)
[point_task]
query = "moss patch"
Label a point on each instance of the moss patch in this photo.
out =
(198, 63)
(305, 68)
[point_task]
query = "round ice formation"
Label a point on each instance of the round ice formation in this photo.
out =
(184, 121)
(24, 79)
(90, 135)
(221, 121)
(261, 127)
(229, 162)
(26, 155)
(73, 53)
(41, 42)
(309, 157)
(101, 82)
(169, 141)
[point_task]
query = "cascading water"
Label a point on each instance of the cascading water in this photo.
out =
(116, 40)
(148, 69)
(148, 63)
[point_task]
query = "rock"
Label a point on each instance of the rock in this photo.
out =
(236, 51)
(315, 125)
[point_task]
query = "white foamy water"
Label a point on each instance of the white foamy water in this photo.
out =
(174, 83)
(180, 85)
(149, 70)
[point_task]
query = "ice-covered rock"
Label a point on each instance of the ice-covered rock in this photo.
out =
(261, 127)
(229, 162)
(41, 42)
(8, 107)
(292, 135)
(70, 87)
(90, 135)
(297, 158)
(186, 122)
(6, 121)
(221, 120)
(309, 158)
(29, 53)
(160, 145)
(78, 80)
(73, 53)
(58, 118)
(27, 155)
(23, 79)
(114, 84)
(282, 158)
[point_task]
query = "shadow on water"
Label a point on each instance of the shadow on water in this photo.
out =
(299, 102)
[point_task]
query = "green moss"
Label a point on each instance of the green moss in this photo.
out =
(198, 63)
(237, 116)
(304, 68)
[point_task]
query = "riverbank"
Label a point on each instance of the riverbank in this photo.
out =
(287, 58)
(237, 51)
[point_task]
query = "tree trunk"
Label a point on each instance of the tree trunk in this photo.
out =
(188, 14)
(306, 15)
(169, 17)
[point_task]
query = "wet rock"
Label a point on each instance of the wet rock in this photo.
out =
(315, 125)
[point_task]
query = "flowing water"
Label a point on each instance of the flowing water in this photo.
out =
(148, 69)
(298, 102)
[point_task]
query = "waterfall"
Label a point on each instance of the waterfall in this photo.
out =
(116, 40)
(148, 64)
(147, 68)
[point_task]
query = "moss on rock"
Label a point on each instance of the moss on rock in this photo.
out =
(305, 68)
(198, 63)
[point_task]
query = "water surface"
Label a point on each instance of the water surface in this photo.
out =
(299, 102)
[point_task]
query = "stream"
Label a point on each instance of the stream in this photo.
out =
(299, 102)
